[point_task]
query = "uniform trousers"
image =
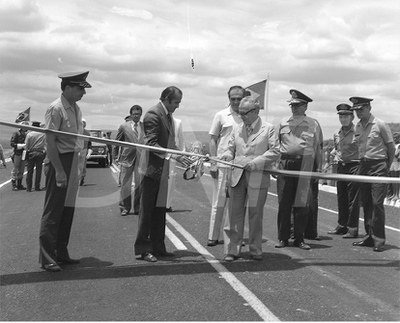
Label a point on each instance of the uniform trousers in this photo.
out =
(243, 196)
(348, 196)
(35, 160)
(151, 231)
(18, 167)
(219, 201)
(372, 197)
(127, 174)
(294, 193)
(58, 212)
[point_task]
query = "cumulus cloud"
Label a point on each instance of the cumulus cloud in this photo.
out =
(331, 50)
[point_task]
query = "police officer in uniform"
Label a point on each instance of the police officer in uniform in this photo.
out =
(376, 151)
(61, 168)
(346, 156)
(300, 139)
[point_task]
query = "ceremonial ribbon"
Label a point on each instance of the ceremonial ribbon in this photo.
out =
(313, 175)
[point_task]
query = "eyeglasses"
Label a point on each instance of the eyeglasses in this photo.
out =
(246, 113)
(236, 99)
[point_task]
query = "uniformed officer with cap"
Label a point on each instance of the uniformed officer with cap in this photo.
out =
(376, 151)
(35, 146)
(346, 155)
(300, 139)
(61, 168)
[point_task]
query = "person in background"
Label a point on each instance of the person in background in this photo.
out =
(346, 157)
(160, 133)
(220, 133)
(180, 143)
(300, 139)
(130, 131)
(35, 146)
(2, 159)
(62, 172)
(18, 157)
(84, 154)
(254, 146)
(109, 148)
(394, 188)
(376, 151)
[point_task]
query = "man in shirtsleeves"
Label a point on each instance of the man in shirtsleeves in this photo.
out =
(376, 151)
(346, 156)
(61, 169)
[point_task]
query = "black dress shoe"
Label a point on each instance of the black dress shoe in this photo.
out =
(52, 267)
(164, 254)
(282, 244)
(68, 261)
(148, 257)
(212, 243)
(368, 242)
(338, 230)
(378, 248)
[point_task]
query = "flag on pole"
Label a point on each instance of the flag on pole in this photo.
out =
(258, 91)
(24, 116)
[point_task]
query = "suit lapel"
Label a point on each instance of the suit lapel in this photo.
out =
(258, 130)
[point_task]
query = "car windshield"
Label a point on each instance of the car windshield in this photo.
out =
(94, 133)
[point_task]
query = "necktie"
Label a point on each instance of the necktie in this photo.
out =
(249, 129)
(135, 130)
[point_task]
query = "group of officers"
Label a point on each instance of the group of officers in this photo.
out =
(240, 136)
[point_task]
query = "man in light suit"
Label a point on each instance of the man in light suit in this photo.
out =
(253, 145)
(159, 132)
(179, 141)
(130, 131)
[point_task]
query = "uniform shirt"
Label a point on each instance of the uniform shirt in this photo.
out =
(62, 116)
(345, 146)
(17, 137)
(35, 141)
(222, 126)
(299, 136)
(372, 140)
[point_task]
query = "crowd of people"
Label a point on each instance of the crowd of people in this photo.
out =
(237, 135)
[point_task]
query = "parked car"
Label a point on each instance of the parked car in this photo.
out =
(99, 150)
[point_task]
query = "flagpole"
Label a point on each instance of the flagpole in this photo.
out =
(266, 97)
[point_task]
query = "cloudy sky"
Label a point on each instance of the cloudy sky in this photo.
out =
(328, 49)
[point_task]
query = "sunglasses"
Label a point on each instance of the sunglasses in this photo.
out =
(246, 113)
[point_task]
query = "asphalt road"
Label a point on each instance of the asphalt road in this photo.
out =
(332, 282)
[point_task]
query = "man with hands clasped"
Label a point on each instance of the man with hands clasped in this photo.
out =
(254, 146)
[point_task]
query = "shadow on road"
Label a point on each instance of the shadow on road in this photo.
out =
(93, 268)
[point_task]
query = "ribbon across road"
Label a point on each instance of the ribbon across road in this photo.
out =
(273, 171)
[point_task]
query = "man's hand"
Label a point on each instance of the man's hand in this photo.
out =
(214, 171)
(61, 179)
(184, 160)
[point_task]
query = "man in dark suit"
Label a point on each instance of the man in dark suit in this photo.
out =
(159, 132)
(130, 131)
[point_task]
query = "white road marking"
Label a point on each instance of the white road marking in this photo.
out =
(174, 239)
(235, 283)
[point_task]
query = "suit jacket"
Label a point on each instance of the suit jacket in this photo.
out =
(261, 149)
(158, 133)
(126, 133)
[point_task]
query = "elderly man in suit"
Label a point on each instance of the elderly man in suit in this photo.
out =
(159, 132)
(130, 131)
(254, 146)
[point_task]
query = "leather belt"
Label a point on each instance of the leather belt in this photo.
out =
(294, 157)
(348, 163)
(291, 157)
